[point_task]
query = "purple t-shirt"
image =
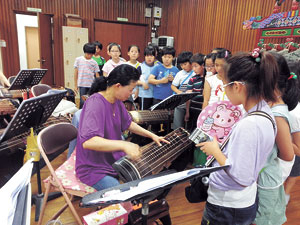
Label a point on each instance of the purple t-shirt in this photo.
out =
(99, 118)
(251, 142)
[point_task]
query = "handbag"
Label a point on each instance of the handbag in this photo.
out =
(197, 191)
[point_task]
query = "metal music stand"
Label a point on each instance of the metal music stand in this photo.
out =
(32, 113)
(172, 102)
(98, 199)
(25, 79)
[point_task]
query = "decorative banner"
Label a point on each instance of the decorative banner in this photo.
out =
(296, 32)
(276, 33)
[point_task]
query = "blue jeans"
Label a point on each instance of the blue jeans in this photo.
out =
(82, 91)
(106, 182)
(75, 123)
(217, 215)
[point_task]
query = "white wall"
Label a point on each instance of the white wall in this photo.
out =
(22, 21)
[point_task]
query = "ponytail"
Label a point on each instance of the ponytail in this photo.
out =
(269, 72)
(259, 75)
(286, 83)
(99, 84)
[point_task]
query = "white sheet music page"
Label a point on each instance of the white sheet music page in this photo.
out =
(10, 191)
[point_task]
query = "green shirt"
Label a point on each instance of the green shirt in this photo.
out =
(100, 60)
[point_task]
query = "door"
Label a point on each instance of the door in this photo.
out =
(32, 47)
(46, 52)
(107, 33)
(123, 34)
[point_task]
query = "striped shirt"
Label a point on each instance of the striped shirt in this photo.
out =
(196, 84)
(87, 68)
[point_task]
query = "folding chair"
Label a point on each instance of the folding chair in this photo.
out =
(39, 89)
(50, 140)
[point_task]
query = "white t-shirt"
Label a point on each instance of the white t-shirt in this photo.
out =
(295, 114)
(181, 77)
(217, 93)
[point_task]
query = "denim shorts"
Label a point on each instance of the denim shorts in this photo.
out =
(219, 215)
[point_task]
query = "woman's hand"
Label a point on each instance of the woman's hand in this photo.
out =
(132, 150)
(158, 140)
(210, 147)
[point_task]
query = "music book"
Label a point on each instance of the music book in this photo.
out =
(173, 101)
(139, 188)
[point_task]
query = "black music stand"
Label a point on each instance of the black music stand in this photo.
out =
(25, 79)
(144, 196)
(32, 113)
(172, 102)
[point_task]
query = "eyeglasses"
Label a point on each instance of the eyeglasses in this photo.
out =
(209, 67)
(232, 82)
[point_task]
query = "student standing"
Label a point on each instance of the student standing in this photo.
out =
(232, 191)
(85, 71)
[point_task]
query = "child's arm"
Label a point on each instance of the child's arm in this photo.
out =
(296, 142)
(144, 84)
(284, 140)
(152, 80)
(76, 79)
(206, 94)
(175, 89)
(212, 148)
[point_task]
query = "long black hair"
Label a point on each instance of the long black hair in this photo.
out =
(260, 77)
(287, 86)
(122, 74)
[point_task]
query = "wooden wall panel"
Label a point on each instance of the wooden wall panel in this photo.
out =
(201, 25)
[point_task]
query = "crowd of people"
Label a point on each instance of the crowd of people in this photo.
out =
(263, 148)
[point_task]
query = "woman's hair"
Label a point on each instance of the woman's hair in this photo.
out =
(223, 54)
(112, 45)
(149, 50)
(130, 46)
(260, 77)
(211, 56)
(287, 86)
(97, 43)
(122, 74)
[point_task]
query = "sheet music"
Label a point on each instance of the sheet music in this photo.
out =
(149, 185)
(10, 191)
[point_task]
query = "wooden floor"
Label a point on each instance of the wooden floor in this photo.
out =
(182, 212)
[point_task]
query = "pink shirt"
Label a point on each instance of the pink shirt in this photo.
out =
(110, 65)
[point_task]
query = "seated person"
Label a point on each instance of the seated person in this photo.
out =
(102, 121)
